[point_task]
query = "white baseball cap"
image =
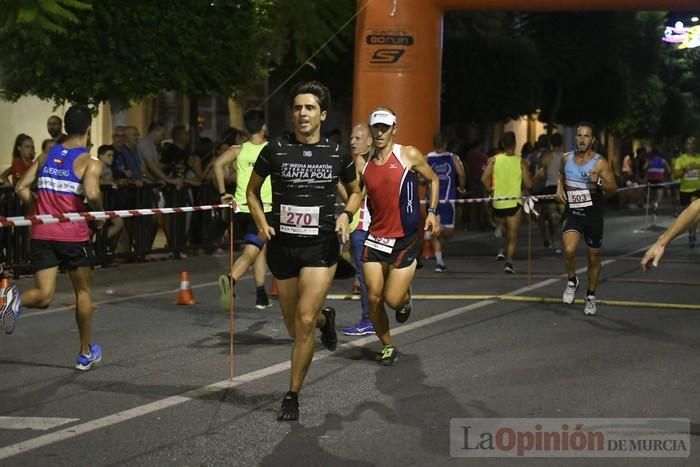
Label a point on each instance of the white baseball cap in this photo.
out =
(382, 116)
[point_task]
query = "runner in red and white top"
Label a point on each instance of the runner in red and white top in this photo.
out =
(391, 183)
(64, 176)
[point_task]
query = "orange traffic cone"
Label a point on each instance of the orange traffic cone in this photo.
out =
(273, 288)
(184, 297)
(4, 283)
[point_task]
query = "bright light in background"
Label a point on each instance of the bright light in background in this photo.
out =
(682, 36)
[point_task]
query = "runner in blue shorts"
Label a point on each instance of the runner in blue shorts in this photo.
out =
(453, 178)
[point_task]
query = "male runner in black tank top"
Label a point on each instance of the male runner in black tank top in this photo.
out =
(303, 247)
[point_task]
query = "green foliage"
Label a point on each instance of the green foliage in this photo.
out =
(49, 15)
(610, 68)
(490, 71)
(130, 49)
(295, 29)
(125, 50)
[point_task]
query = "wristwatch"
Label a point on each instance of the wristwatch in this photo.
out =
(349, 214)
(432, 210)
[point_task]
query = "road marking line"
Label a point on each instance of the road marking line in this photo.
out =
(139, 411)
(534, 299)
(33, 423)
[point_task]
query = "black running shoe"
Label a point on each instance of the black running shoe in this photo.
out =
(404, 312)
(290, 407)
(329, 337)
(388, 356)
(262, 302)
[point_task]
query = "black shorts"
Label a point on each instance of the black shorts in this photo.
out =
(247, 225)
(71, 255)
(286, 255)
(549, 190)
(400, 255)
(589, 226)
(687, 197)
(507, 212)
(656, 186)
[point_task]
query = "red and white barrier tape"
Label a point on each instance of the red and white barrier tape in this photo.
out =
(21, 221)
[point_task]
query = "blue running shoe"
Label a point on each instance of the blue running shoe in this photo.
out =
(85, 362)
(363, 328)
(11, 308)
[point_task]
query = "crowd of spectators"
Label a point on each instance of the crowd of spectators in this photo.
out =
(159, 169)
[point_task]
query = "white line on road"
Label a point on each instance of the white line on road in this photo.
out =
(119, 417)
(33, 423)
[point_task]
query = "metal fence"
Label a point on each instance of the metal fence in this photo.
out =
(183, 231)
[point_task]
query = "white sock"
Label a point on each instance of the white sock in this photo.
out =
(438, 257)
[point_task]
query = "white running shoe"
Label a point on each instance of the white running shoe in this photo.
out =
(500, 256)
(589, 309)
(570, 292)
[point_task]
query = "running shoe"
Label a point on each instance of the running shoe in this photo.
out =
(85, 362)
(262, 302)
(290, 407)
(226, 283)
(404, 312)
(329, 338)
(500, 256)
(570, 291)
(363, 328)
(440, 268)
(589, 308)
(11, 308)
(509, 268)
(388, 356)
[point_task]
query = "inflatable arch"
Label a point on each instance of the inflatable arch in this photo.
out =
(398, 53)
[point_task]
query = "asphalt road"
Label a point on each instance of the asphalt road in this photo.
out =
(162, 395)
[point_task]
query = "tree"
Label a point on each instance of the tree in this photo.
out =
(490, 70)
(126, 50)
(50, 15)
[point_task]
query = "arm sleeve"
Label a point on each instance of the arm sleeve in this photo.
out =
(348, 172)
(262, 165)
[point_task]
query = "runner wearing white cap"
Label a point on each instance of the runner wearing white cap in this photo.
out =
(391, 182)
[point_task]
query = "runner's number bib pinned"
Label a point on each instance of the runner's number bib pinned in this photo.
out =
(383, 244)
(692, 174)
(579, 198)
(299, 220)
